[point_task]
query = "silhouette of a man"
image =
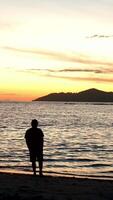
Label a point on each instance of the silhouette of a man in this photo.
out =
(34, 140)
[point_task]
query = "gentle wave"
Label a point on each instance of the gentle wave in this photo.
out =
(78, 137)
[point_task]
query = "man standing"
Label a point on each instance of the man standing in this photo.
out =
(34, 140)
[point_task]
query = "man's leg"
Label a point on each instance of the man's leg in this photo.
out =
(34, 167)
(40, 164)
(40, 167)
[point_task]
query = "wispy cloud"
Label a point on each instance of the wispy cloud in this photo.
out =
(90, 74)
(8, 25)
(97, 71)
(92, 79)
(90, 70)
(66, 57)
(100, 36)
(68, 70)
(71, 74)
(75, 57)
(8, 94)
(60, 70)
(4, 25)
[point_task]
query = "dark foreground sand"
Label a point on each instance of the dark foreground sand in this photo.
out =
(26, 187)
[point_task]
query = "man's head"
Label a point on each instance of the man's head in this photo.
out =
(34, 123)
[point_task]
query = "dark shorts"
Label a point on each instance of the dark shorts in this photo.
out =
(36, 156)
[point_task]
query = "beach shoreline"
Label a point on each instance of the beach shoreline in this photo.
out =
(23, 186)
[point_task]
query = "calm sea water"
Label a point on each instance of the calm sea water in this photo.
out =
(78, 137)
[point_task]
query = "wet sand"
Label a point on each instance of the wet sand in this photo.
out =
(27, 187)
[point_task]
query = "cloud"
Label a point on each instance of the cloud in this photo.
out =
(99, 36)
(4, 25)
(76, 70)
(97, 70)
(93, 79)
(70, 74)
(67, 75)
(8, 94)
(93, 69)
(50, 54)
(7, 25)
(69, 70)
(91, 74)
(66, 57)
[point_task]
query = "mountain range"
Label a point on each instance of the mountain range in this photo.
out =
(90, 95)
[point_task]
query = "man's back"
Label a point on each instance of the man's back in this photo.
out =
(34, 139)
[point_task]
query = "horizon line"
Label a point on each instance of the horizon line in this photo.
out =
(32, 100)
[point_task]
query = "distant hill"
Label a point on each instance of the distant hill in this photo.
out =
(91, 95)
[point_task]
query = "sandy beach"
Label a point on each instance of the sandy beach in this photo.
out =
(26, 187)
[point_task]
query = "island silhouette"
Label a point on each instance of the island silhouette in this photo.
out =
(90, 95)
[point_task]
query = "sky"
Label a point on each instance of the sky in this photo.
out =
(51, 46)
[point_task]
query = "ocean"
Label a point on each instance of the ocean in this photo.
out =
(78, 137)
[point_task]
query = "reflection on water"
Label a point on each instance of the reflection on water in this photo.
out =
(78, 137)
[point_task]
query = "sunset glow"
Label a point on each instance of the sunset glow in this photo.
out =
(55, 46)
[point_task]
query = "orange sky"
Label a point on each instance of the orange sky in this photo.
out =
(55, 46)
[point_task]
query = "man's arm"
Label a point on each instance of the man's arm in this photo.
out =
(27, 139)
